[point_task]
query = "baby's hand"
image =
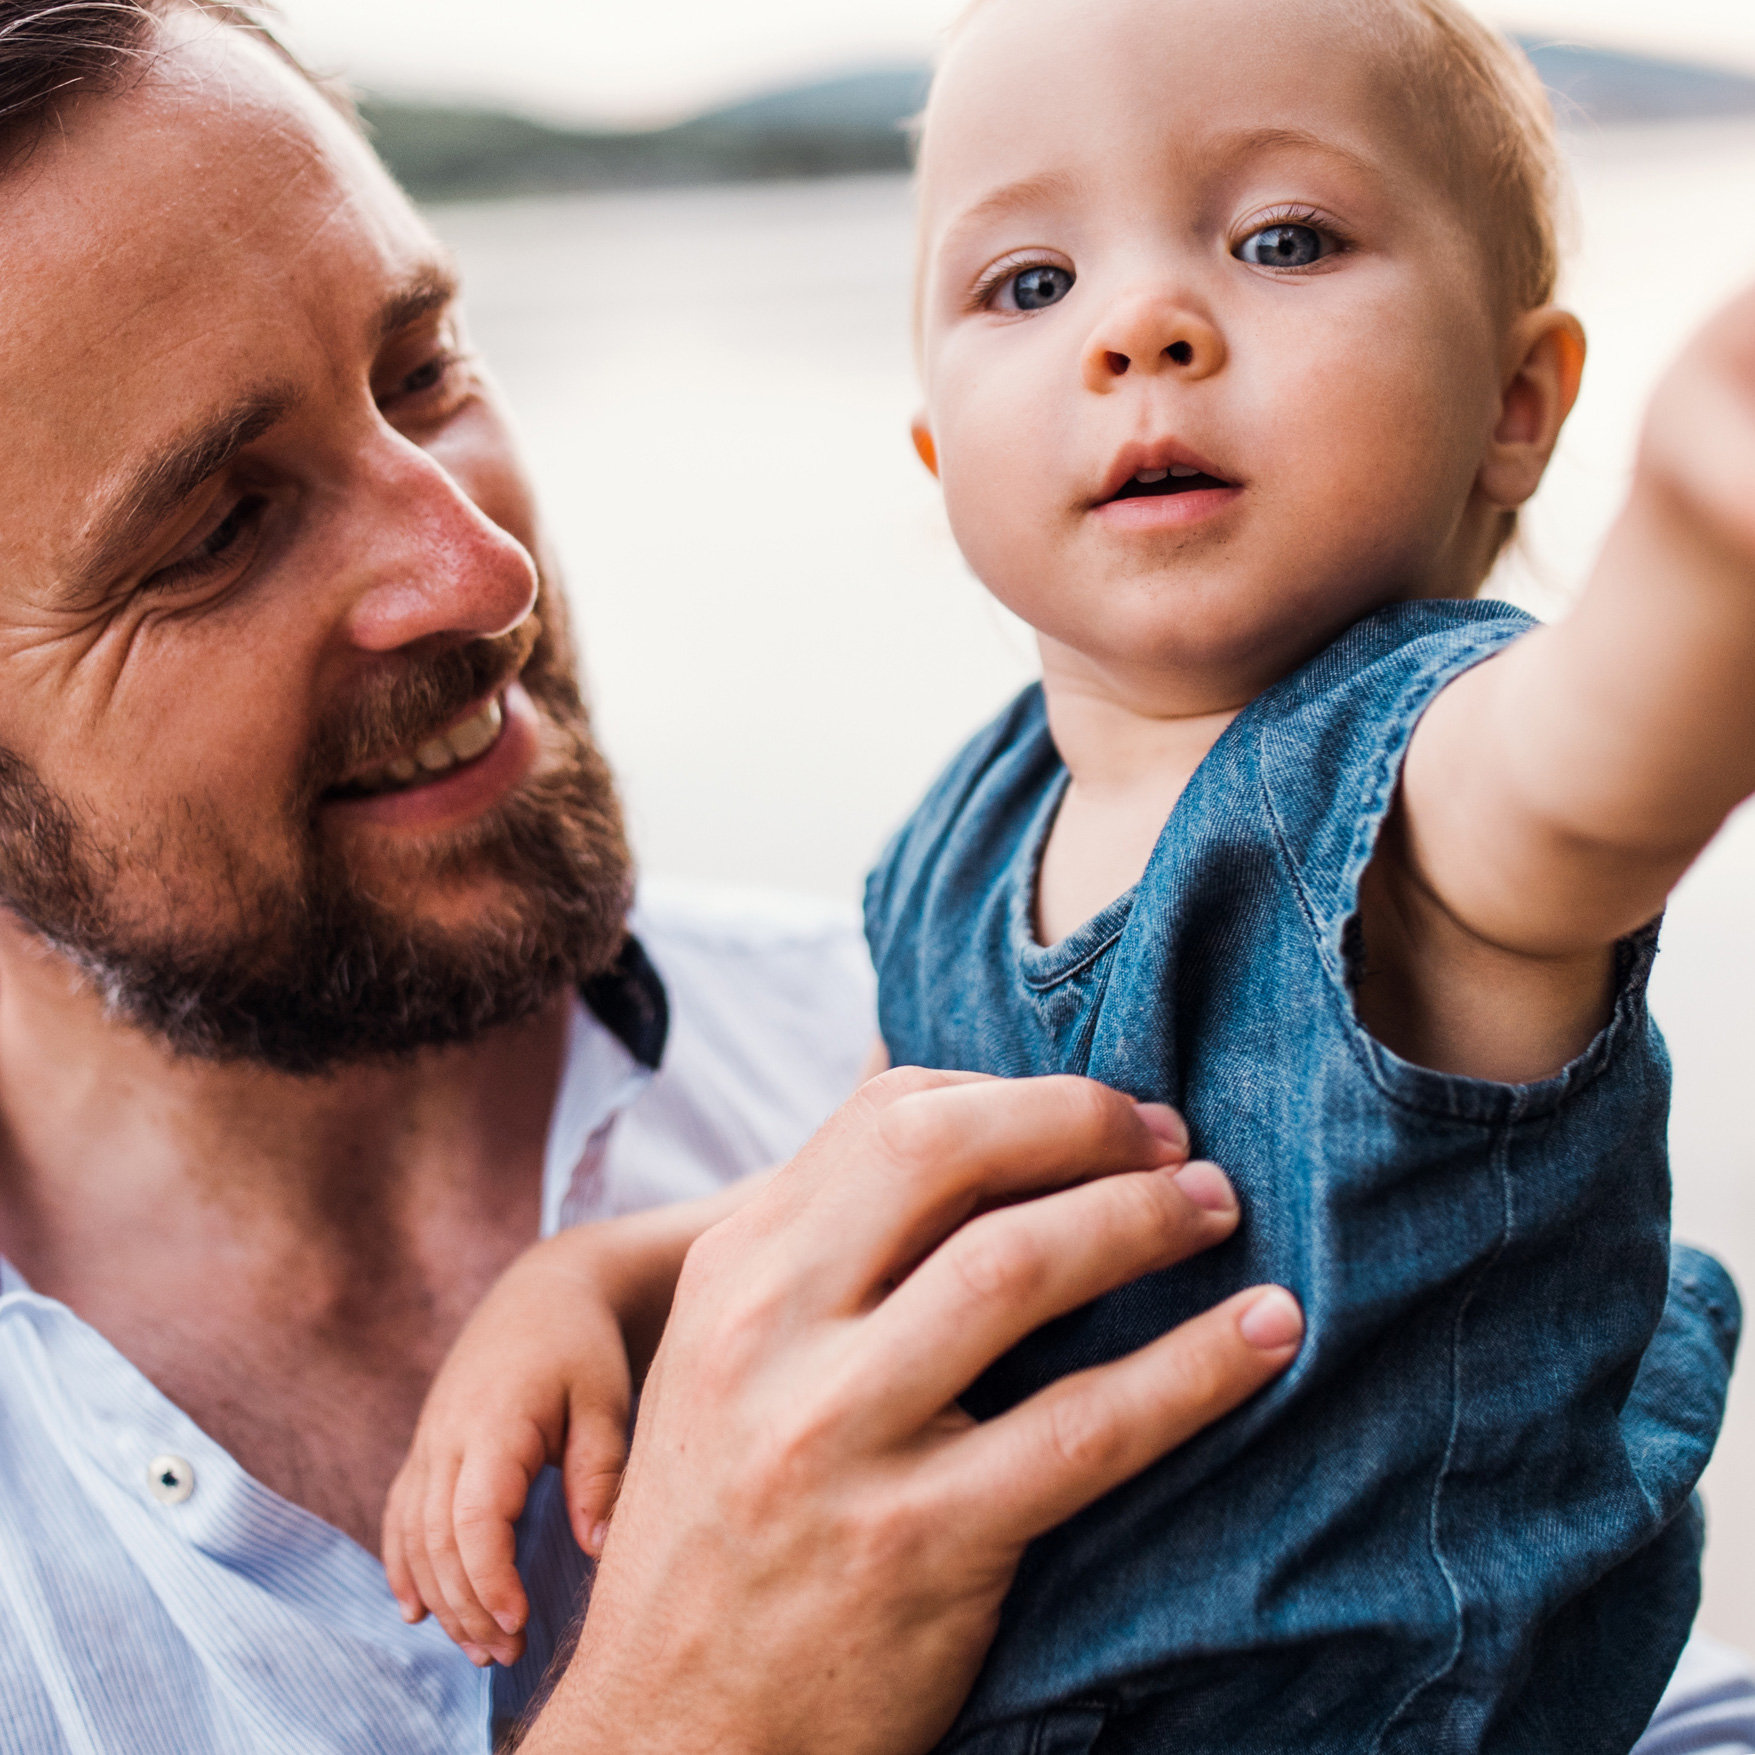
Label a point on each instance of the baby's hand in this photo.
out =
(539, 1375)
(1697, 454)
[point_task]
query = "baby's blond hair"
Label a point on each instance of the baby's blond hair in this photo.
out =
(1487, 123)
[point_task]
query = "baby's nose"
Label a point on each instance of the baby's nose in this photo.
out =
(1148, 333)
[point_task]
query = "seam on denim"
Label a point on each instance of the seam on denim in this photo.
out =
(1081, 1057)
(1501, 1155)
(1078, 968)
(1631, 1009)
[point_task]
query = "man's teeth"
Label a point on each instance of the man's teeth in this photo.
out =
(1180, 471)
(462, 743)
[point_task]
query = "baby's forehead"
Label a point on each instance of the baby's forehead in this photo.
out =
(1077, 88)
(1418, 94)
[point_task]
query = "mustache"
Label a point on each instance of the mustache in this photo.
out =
(403, 708)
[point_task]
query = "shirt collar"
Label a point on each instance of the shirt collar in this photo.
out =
(599, 1079)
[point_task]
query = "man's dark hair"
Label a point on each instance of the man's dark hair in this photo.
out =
(51, 54)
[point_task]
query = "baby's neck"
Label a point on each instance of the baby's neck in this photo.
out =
(1129, 760)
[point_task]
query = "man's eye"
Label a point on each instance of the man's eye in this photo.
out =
(213, 550)
(426, 377)
(1285, 246)
(1035, 289)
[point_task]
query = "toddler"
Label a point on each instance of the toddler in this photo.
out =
(1240, 357)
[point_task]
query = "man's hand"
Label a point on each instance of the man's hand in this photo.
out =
(813, 1541)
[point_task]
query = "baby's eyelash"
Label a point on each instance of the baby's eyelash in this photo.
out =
(992, 278)
(1297, 214)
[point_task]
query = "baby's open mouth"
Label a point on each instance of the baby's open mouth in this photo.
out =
(1179, 478)
(461, 743)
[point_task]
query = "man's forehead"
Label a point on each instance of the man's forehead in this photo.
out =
(212, 232)
(194, 191)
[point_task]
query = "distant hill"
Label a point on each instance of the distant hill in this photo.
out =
(854, 124)
(1609, 88)
(836, 127)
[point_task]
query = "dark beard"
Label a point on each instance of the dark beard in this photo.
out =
(317, 975)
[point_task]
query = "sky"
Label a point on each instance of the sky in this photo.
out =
(618, 60)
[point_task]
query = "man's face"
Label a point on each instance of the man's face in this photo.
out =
(291, 758)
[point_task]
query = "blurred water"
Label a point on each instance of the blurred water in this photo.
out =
(784, 646)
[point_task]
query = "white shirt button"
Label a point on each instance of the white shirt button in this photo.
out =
(170, 1479)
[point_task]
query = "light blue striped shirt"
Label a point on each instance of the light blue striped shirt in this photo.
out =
(157, 1600)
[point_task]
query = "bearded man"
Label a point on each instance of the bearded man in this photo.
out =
(318, 1003)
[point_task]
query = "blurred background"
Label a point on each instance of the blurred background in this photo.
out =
(686, 232)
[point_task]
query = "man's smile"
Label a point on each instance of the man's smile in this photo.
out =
(456, 775)
(463, 741)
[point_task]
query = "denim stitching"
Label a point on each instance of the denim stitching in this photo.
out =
(1501, 1156)
(1630, 1006)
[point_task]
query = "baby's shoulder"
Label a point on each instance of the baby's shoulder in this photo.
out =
(973, 813)
(1328, 743)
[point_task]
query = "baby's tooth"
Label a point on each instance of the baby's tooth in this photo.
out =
(402, 770)
(435, 756)
(1147, 477)
(1183, 471)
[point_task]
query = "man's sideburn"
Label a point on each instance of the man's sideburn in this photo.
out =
(312, 973)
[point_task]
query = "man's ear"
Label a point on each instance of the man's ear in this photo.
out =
(923, 445)
(1545, 357)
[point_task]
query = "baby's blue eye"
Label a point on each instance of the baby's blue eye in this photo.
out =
(1037, 288)
(1284, 246)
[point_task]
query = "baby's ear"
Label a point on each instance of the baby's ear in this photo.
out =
(1546, 366)
(923, 444)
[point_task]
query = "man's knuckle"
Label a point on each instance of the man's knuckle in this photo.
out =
(915, 1132)
(1081, 1435)
(901, 1081)
(999, 1257)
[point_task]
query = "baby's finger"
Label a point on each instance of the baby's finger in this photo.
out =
(432, 1557)
(597, 1451)
(403, 1492)
(491, 1489)
(415, 1549)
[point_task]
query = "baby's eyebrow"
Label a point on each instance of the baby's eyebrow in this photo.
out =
(1258, 140)
(1026, 192)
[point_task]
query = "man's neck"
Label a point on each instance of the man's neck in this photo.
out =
(286, 1258)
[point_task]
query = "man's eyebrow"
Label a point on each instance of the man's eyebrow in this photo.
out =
(432, 287)
(157, 487)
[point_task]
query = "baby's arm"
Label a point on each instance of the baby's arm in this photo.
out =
(544, 1372)
(1554, 795)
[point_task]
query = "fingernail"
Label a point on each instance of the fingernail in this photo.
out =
(1272, 1322)
(477, 1656)
(599, 1535)
(1162, 1120)
(509, 1621)
(1208, 1187)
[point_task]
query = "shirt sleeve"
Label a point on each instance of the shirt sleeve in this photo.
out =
(1709, 1707)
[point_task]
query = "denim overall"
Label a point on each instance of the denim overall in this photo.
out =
(1464, 1520)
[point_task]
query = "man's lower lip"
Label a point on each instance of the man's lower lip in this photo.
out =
(1166, 511)
(461, 793)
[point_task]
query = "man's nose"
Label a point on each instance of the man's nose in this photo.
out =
(1150, 334)
(435, 563)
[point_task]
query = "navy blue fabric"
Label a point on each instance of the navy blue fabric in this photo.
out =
(1457, 1524)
